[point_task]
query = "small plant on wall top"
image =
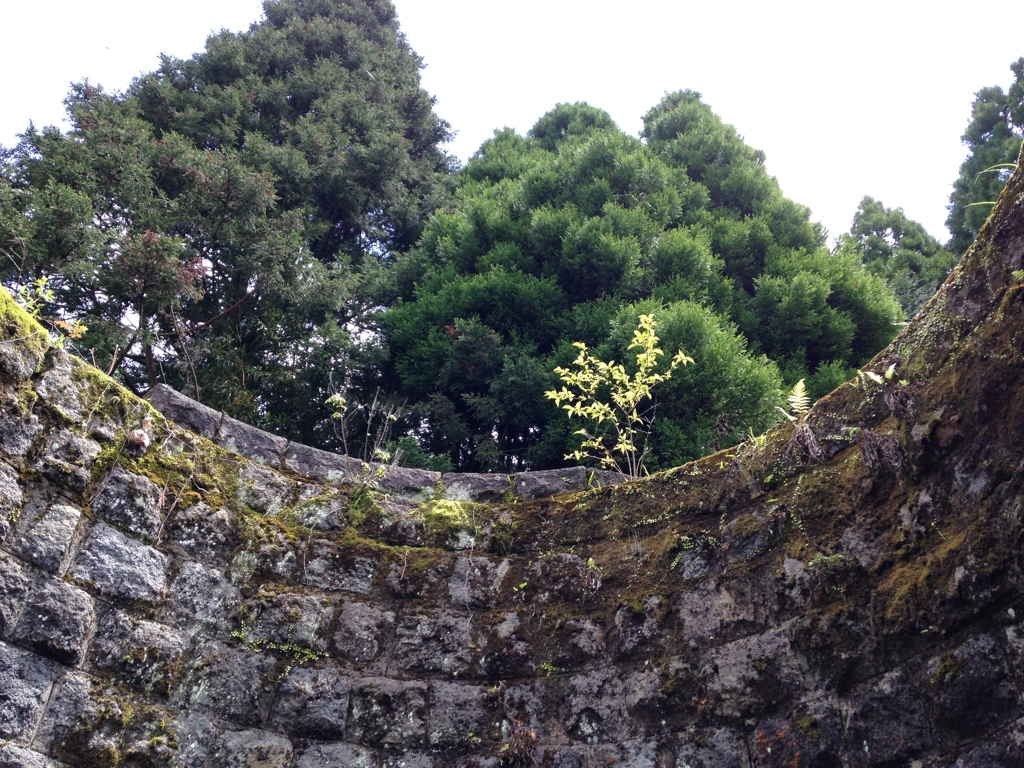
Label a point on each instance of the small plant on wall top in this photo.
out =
(803, 440)
(616, 404)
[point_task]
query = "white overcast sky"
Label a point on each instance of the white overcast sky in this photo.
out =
(846, 98)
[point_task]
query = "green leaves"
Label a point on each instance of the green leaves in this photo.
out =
(619, 439)
(993, 137)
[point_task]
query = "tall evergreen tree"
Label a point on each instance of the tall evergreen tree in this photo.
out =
(898, 249)
(993, 137)
(568, 234)
(223, 225)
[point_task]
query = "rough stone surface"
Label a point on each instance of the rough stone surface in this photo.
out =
(44, 535)
(15, 581)
(362, 632)
(16, 757)
(201, 596)
(475, 581)
(66, 457)
(142, 654)
(205, 534)
(251, 442)
(18, 428)
(120, 567)
(288, 618)
(456, 712)
(175, 406)
(312, 703)
(25, 682)
(252, 749)
(465, 486)
(62, 729)
(336, 569)
(436, 643)
(321, 465)
(57, 386)
(56, 621)
(387, 713)
(550, 482)
(337, 756)
(23, 341)
(10, 495)
(223, 682)
(130, 502)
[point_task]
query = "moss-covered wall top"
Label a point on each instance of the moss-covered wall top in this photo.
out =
(845, 591)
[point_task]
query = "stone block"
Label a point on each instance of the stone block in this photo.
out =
(312, 702)
(712, 748)
(549, 482)
(208, 535)
(362, 632)
(220, 681)
(70, 714)
(44, 535)
(119, 567)
(57, 387)
(334, 567)
(888, 721)
(337, 756)
(600, 705)
(971, 686)
(252, 749)
(475, 581)
(709, 612)
(322, 465)
(25, 681)
(185, 411)
(467, 486)
(506, 654)
(15, 582)
(250, 442)
(195, 736)
(204, 597)
(56, 621)
(754, 674)
(288, 618)
(130, 502)
(142, 654)
(403, 481)
(639, 629)
(388, 713)
(263, 490)
(10, 497)
(436, 643)
(456, 712)
(16, 757)
(66, 459)
(18, 427)
(24, 341)
(411, 760)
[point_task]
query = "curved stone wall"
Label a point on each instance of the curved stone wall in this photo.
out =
(188, 606)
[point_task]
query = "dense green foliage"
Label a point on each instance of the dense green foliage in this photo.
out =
(898, 249)
(564, 234)
(274, 221)
(617, 403)
(222, 225)
(993, 136)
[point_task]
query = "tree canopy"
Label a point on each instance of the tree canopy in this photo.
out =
(993, 137)
(573, 231)
(224, 223)
(898, 249)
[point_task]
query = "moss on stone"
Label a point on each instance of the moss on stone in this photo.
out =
(18, 327)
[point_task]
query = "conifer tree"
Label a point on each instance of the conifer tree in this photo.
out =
(224, 225)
